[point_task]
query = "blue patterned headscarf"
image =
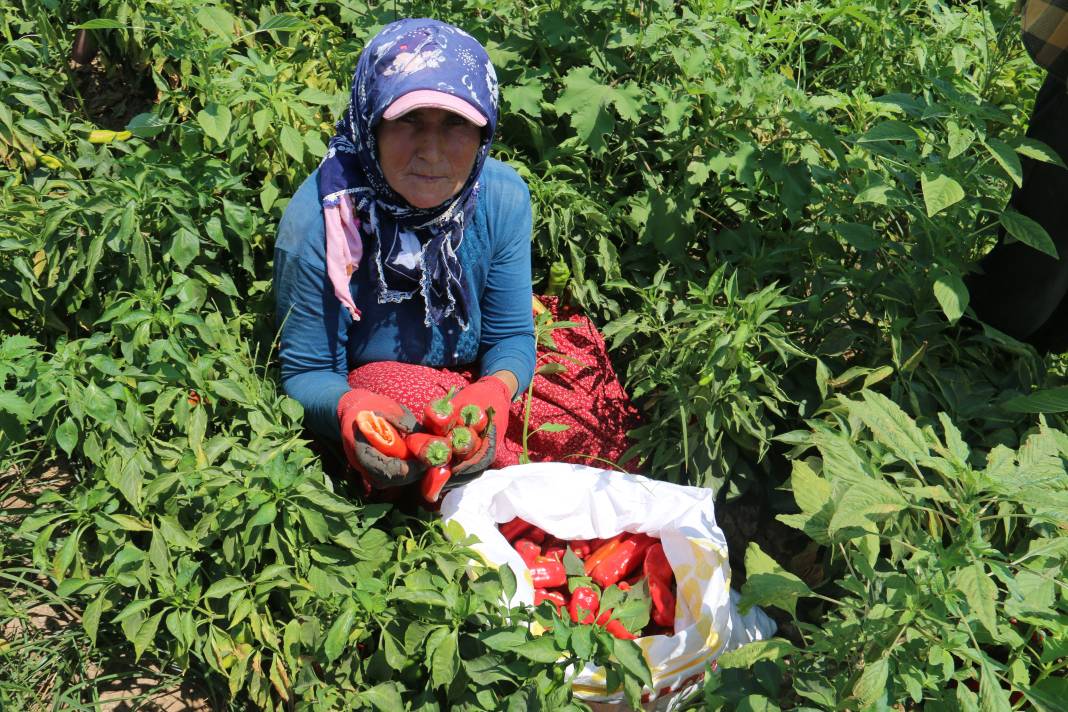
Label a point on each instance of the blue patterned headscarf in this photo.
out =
(415, 249)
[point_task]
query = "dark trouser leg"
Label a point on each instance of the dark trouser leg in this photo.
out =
(1020, 290)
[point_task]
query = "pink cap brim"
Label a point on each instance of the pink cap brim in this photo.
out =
(430, 99)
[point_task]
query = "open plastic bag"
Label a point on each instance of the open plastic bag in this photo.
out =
(579, 502)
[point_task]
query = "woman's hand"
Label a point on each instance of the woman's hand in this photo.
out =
(493, 391)
(377, 469)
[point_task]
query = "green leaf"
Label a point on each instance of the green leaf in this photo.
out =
(981, 593)
(338, 635)
(445, 661)
(146, 125)
(146, 635)
(385, 696)
(1028, 232)
(1039, 151)
(91, 617)
(631, 657)
(67, 435)
(292, 142)
(100, 23)
(992, 698)
(752, 653)
(174, 534)
(768, 584)
(216, 20)
(133, 608)
(890, 425)
(215, 120)
(552, 428)
(952, 295)
(283, 22)
(959, 139)
(266, 514)
(940, 193)
(11, 402)
(1049, 400)
(508, 580)
(184, 247)
(99, 404)
(1006, 158)
(861, 237)
(586, 100)
(872, 682)
(224, 587)
(541, 650)
(891, 130)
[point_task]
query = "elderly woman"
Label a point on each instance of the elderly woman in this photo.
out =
(402, 266)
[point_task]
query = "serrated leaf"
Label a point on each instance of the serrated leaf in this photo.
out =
(871, 684)
(981, 594)
(768, 584)
(940, 193)
(282, 22)
(338, 635)
(1028, 232)
(1006, 157)
(586, 99)
(890, 425)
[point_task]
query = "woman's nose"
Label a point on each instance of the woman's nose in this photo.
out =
(431, 143)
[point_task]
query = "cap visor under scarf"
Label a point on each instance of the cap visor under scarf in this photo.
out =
(430, 99)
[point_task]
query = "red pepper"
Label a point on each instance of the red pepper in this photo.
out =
(514, 529)
(463, 441)
(439, 415)
(580, 548)
(381, 434)
(623, 586)
(558, 598)
(554, 552)
(432, 482)
(536, 534)
(661, 585)
(528, 550)
(619, 630)
(656, 564)
(431, 450)
(547, 573)
(583, 605)
(599, 554)
(474, 417)
(626, 557)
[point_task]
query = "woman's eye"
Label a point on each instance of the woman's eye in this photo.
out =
(454, 120)
(409, 118)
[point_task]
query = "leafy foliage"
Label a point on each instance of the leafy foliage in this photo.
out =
(770, 208)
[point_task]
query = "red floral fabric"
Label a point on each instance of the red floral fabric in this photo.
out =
(586, 396)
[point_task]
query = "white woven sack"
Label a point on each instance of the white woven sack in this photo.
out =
(579, 502)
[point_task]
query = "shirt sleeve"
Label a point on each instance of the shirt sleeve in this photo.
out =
(313, 326)
(507, 341)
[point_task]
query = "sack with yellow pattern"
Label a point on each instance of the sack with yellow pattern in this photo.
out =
(577, 502)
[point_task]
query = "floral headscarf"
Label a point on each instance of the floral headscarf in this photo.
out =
(414, 248)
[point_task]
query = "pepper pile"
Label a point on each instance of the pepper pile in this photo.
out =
(449, 437)
(579, 574)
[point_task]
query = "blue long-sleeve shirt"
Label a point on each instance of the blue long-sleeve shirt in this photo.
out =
(320, 342)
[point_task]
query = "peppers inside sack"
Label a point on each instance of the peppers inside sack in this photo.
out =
(381, 434)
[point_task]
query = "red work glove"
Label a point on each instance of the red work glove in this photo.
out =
(377, 470)
(488, 392)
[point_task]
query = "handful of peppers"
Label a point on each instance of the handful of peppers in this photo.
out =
(626, 561)
(451, 441)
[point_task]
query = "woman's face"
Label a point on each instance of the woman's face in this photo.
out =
(427, 154)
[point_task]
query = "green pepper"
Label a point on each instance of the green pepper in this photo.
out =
(559, 274)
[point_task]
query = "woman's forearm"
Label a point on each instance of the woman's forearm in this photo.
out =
(510, 380)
